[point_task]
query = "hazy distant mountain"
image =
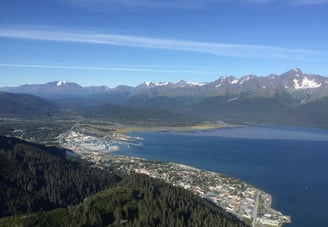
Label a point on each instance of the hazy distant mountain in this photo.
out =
(25, 105)
(57, 89)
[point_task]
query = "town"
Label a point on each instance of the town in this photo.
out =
(248, 203)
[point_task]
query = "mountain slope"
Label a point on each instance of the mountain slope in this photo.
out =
(138, 115)
(24, 105)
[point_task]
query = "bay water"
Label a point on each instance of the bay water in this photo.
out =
(291, 164)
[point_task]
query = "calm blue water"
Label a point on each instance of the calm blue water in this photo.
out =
(289, 163)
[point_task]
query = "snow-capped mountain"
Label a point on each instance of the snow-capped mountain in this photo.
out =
(304, 87)
(178, 84)
(294, 82)
(291, 81)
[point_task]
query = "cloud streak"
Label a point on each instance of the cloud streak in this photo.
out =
(309, 2)
(96, 68)
(221, 49)
(178, 4)
(144, 4)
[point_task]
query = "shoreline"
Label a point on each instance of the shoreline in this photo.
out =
(229, 193)
(192, 128)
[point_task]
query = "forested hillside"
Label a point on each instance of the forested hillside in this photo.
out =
(137, 201)
(36, 178)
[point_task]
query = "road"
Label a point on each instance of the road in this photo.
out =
(60, 137)
(255, 209)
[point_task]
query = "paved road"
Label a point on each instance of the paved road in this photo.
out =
(255, 209)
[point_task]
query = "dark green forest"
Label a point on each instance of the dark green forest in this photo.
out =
(45, 187)
(35, 177)
(137, 201)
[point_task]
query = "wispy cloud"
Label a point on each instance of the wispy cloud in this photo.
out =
(221, 49)
(97, 68)
(182, 4)
(309, 2)
(144, 4)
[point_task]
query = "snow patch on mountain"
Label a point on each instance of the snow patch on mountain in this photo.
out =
(196, 84)
(243, 80)
(233, 81)
(60, 83)
(161, 84)
(147, 83)
(219, 85)
(306, 83)
(232, 99)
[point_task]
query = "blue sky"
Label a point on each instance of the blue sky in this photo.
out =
(110, 42)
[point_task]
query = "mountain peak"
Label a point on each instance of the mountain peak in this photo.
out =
(294, 72)
(146, 84)
(297, 70)
(181, 83)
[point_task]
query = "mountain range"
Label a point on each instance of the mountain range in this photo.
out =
(292, 81)
(293, 97)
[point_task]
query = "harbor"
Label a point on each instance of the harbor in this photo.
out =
(85, 142)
